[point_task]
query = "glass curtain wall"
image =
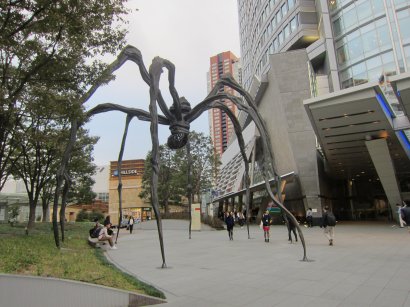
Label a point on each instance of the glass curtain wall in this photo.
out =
(370, 43)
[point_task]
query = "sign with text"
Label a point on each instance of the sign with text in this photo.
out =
(126, 172)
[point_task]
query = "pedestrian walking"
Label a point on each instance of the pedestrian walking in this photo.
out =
(309, 217)
(241, 219)
(405, 215)
(131, 223)
(266, 221)
(399, 208)
(291, 228)
(328, 223)
(229, 220)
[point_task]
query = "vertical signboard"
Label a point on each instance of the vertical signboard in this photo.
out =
(196, 216)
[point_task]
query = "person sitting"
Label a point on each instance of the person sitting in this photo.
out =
(108, 221)
(104, 236)
(95, 231)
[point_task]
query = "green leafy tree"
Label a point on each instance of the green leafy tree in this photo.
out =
(50, 48)
(173, 171)
(170, 185)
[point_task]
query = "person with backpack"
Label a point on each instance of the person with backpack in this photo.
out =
(95, 231)
(328, 223)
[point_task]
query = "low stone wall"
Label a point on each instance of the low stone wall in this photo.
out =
(18, 290)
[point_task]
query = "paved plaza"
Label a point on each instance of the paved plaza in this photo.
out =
(369, 265)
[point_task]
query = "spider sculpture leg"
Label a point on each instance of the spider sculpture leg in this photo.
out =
(119, 164)
(189, 185)
(215, 103)
(155, 72)
(267, 156)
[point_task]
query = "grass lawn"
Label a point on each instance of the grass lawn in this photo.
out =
(36, 254)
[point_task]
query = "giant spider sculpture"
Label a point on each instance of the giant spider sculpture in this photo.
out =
(178, 117)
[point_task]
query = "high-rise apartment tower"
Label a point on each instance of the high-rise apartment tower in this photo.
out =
(219, 124)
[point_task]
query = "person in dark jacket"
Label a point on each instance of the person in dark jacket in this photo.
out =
(266, 221)
(328, 223)
(291, 228)
(229, 220)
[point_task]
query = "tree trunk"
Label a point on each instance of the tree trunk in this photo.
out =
(63, 206)
(32, 214)
(46, 212)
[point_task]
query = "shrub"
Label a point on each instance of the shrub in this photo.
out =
(212, 221)
(82, 216)
(96, 215)
(13, 213)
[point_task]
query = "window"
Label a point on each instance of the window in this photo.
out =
(284, 9)
(273, 23)
(286, 31)
(272, 48)
(355, 48)
(350, 18)
(404, 23)
(280, 38)
(291, 4)
(337, 26)
(384, 36)
(364, 10)
(293, 24)
(278, 17)
(341, 55)
(369, 40)
(378, 7)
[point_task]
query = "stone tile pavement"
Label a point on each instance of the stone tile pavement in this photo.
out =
(369, 265)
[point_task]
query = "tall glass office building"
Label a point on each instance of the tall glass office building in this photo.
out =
(363, 40)
(371, 37)
(269, 26)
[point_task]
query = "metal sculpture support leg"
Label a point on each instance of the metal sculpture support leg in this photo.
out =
(119, 165)
(251, 109)
(155, 72)
(189, 185)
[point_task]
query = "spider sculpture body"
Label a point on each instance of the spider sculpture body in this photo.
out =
(178, 117)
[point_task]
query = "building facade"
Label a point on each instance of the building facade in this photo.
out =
(220, 126)
(339, 119)
(132, 172)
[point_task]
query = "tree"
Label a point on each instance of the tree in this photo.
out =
(173, 170)
(170, 185)
(204, 162)
(51, 46)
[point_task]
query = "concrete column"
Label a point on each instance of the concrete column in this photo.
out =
(380, 155)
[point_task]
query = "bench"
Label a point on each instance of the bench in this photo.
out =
(94, 242)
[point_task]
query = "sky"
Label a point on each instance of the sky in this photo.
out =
(185, 32)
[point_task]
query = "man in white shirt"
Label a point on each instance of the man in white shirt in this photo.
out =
(104, 236)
